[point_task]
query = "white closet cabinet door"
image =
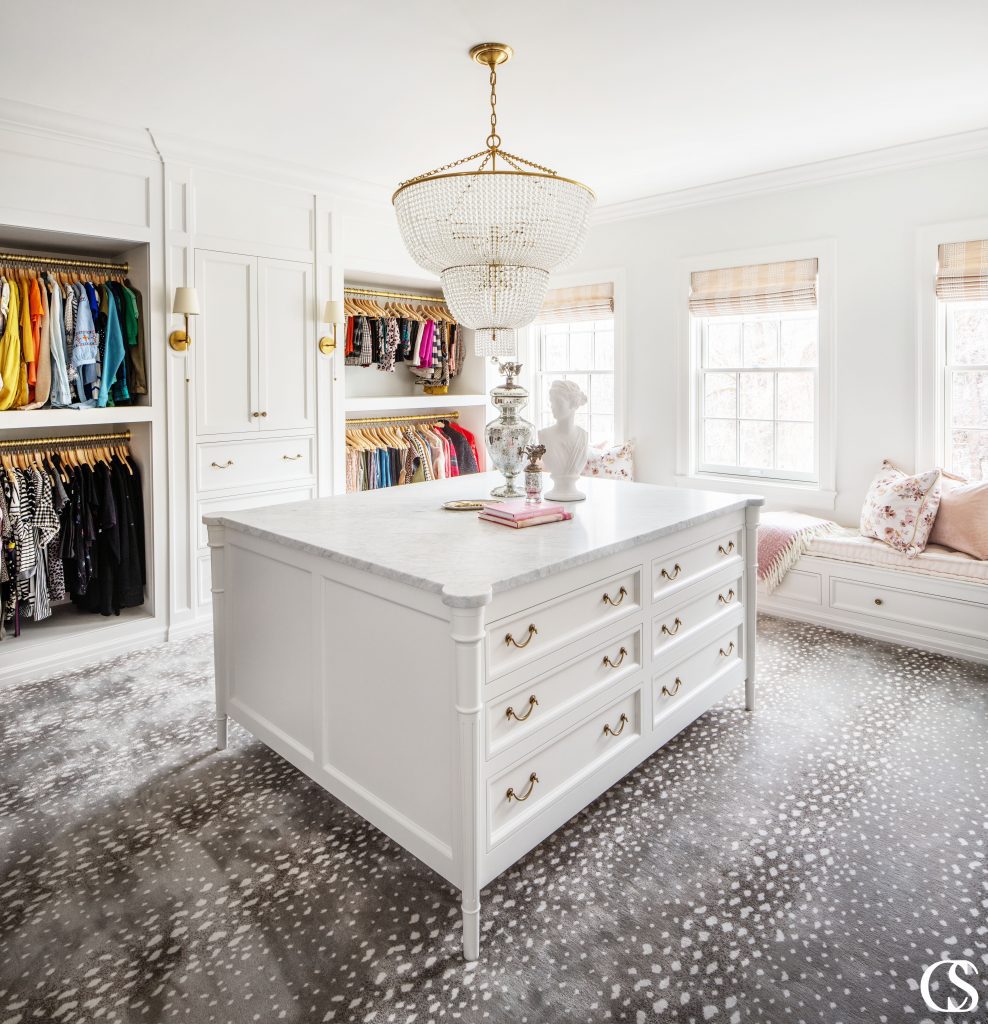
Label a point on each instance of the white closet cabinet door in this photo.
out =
(225, 344)
(286, 345)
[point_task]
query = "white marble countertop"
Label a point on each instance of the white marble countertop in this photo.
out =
(403, 533)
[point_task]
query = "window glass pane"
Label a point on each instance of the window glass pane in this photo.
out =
(969, 334)
(580, 350)
(555, 351)
(720, 442)
(601, 429)
(723, 344)
(969, 398)
(603, 350)
(757, 398)
(602, 394)
(795, 396)
(757, 444)
(968, 455)
(583, 326)
(761, 343)
(795, 450)
(799, 342)
(720, 394)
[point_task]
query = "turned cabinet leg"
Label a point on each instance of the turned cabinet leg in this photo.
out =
(751, 515)
(471, 926)
(221, 721)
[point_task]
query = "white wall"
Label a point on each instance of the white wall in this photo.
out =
(874, 221)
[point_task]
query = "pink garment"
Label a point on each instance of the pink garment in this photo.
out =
(782, 538)
(425, 352)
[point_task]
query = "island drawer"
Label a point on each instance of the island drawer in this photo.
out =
(698, 554)
(685, 681)
(543, 628)
(712, 609)
(535, 705)
(517, 794)
(274, 461)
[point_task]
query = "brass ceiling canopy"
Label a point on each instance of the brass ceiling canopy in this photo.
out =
(491, 54)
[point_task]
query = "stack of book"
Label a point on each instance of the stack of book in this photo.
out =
(517, 513)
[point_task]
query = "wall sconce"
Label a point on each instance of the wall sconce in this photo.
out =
(186, 304)
(333, 316)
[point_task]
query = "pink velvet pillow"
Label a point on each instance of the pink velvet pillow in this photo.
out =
(900, 509)
(962, 522)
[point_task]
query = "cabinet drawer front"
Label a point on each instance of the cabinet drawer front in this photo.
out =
(907, 606)
(683, 566)
(221, 465)
(677, 685)
(542, 776)
(240, 502)
(679, 622)
(536, 704)
(530, 634)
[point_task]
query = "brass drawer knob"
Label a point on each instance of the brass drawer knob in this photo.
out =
(879, 601)
(622, 594)
(728, 549)
(729, 651)
(608, 731)
(675, 628)
(726, 600)
(510, 641)
(532, 782)
(676, 570)
(622, 654)
(532, 705)
(226, 465)
(666, 692)
(291, 458)
(255, 415)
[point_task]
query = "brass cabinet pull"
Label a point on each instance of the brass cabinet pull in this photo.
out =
(622, 654)
(666, 692)
(255, 415)
(263, 414)
(226, 465)
(672, 632)
(729, 651)
(622, 594)
(509, 640)
(532, 705)
(608, 731)
(532, 782)
(728, 549)
(878, 601)
(291, 458)
(676, 570)
(726, 600)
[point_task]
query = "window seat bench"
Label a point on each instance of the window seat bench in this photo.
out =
(937, 601)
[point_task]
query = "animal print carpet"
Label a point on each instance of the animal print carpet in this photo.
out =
(802, 864)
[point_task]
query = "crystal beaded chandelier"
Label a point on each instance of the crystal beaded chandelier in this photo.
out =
(493, 234)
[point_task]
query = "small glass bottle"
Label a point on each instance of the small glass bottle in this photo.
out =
(533, 474)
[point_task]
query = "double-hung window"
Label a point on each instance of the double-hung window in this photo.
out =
(756, 358)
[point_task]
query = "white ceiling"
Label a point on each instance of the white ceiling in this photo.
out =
(634, 97)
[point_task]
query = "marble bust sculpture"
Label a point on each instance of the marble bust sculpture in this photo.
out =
(565, 442)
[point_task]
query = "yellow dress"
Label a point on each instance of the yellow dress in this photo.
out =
(10, 352)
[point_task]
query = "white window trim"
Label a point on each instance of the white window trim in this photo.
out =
(527, 341)
(931, 339)
(820, 495)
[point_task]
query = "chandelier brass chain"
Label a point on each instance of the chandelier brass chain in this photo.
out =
(493, 140)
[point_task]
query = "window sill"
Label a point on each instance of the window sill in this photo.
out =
(776, 492)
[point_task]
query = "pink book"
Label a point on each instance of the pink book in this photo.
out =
(521, 524)
(517, 509)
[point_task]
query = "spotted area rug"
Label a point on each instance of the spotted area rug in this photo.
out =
(805, 863)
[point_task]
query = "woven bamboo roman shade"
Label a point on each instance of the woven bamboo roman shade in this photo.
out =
(761, 288)
(571, 305)
(962, 271)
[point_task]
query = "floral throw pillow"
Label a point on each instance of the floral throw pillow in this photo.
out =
(614, 462)
(900, 510)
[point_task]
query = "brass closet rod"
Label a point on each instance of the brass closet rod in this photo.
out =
(70, 439)
(431, 418)
(49, 261)
(395, 295)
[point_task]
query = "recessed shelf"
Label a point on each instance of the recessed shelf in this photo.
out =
(386, 403)
(44, 418)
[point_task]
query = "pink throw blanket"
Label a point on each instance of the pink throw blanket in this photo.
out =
(783, 538)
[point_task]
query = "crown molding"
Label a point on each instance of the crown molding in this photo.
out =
(910, 154)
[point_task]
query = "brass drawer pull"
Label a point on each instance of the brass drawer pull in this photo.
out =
(879, 601)
(676, 570)
(728, 549)
(672, 632)
(622, 654)
(726, 600)
(226, 465)
(666, 692)
(532, 705)
(509, 640)
(291, 458)
(512, 795)
(729, 651)
(622, 594)
(608, 731)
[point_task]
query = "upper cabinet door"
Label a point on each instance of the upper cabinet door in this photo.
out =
(225, 343)
(286, 364)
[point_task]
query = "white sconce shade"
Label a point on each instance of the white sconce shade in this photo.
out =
(334, 312)
(186, 302)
